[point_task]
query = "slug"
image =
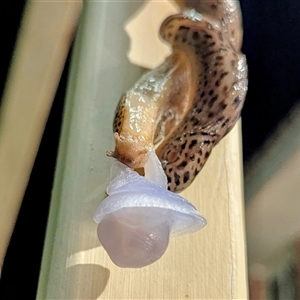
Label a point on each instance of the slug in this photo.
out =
(184, 107)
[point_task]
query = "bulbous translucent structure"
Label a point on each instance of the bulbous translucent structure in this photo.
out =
(138, 217)
(133, 238)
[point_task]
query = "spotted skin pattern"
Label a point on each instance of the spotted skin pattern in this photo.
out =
(209, 47)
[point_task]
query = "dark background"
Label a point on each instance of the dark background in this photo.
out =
(272, 47)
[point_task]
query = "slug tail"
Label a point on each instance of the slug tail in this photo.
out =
(220, 85)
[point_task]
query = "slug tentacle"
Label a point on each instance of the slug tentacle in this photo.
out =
(186, 105)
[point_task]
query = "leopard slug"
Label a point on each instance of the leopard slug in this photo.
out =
(188, 104)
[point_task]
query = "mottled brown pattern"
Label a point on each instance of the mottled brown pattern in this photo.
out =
(208, 50)
(119, 115)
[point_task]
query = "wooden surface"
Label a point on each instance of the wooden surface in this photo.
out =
(209, 264)
(41, 51)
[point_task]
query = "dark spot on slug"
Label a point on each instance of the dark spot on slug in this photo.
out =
(213, 6)
(204, 133)
(182, 165)
(223, 74)
(210, 115)
(212, 101)
(207, 36)
(195, 121)
(177, 178)
(183, 28)
(192, 144)
(222, 105)
(206, 154)
(169, 179)
(220, 119)
(236, 100)
(208, 54)
(186, 176)
(183, 146)
(195, 35)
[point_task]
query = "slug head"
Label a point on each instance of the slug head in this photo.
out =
(130, 150)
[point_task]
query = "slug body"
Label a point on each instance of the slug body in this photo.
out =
(187, 105)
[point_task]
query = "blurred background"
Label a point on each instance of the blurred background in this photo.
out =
(271, 147)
